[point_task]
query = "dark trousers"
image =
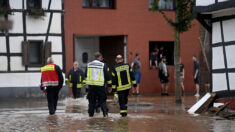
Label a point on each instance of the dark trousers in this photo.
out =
(123, 101)
(76, 91)
(97, 93)
(52, 98)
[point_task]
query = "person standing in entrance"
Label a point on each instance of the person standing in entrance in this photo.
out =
(136, 66)
(196, 74)
(122, 80)
(164, 75)
(75, 80)
(51, 82)
(97, 76)
(154, 59)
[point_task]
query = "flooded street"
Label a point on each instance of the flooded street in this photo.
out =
(145, 114)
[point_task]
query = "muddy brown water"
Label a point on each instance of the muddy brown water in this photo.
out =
(145, 114)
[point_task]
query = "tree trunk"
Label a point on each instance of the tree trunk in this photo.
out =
(177, 67)
(177, 57)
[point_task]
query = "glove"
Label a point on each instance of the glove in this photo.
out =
(115, 97)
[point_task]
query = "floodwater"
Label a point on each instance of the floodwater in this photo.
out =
(145, 114)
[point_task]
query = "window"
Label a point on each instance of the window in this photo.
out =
(165, 48)
(163, 4)
(4, 7)
(4, 3)
(35, 8)
(98, 3)
(35, 52)
(34, 4)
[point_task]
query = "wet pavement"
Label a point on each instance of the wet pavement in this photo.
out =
(145, 114)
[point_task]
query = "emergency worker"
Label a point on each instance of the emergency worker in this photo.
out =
(75, 79)
(51, 82)
(122, 80)
(97, 76)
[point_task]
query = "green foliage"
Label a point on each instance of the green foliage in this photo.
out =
(5, 11)
(184, 14)
(36, 12)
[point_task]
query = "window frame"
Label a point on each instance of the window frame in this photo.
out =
(167, 9)
(94, 7)
(28, 8)
(35, 11)
(41, 54)
(165, 44)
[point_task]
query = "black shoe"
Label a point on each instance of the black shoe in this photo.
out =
(162, 94)
(166, 94)
(91, 114)
(123, 114)
(51, 113)
(105, 114)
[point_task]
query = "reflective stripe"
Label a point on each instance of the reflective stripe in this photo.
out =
(113, 74)
(50, 83)
(128, 76)
(66, 79)
(123, 111)
(80, 79)
(113, 86)
(70, 85)
(133, 82)
(79, 85)
(48, 68)
(126, 104)
(109, 82)
(92, 82)
(100, 74)
(119, 79)
(70, 76)
(123, 87)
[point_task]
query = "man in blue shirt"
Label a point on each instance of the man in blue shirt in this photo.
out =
(196, 74)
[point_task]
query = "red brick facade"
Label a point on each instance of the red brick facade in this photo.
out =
(134, 19)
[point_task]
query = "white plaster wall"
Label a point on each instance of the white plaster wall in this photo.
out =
(56, 23)
(216, 33)
(45, 4)
(204, 2)
(16, 64)
(231, 81)
(3, 64)
(34, 68)
(36, 38)
(20, 79)
(219, 82)
(17, 20)
(58, 59)
(3, 48)
(56, 5)
(37, 25)
(56, 43)
(15, 4)
(217, 58)
(230, 54)
(229, 30)
(15, 44)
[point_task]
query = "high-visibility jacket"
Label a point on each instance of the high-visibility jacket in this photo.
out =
(49, 75)
(97, 74)
(122, 77)
(75, 78)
